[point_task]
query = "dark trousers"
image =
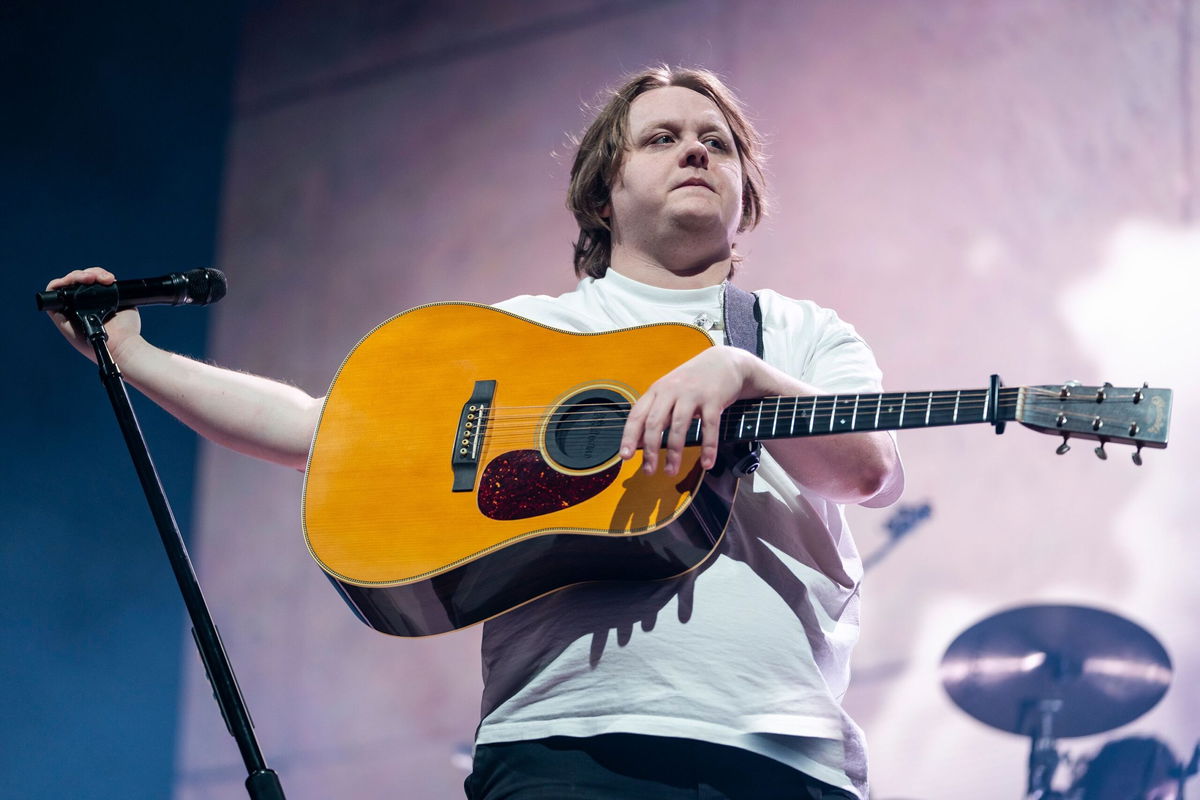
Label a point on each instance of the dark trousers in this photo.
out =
(620, 766)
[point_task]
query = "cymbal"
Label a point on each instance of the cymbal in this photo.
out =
(1104, 670)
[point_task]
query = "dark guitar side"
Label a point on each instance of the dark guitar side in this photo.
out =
(523, 571)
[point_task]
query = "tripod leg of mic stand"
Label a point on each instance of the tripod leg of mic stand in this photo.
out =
(262, 783)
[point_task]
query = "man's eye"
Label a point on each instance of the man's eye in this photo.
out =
(662, 138)
(713, 141)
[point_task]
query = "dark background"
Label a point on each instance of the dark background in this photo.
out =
(115, 122)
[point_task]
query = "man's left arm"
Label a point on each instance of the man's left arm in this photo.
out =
(845, 467)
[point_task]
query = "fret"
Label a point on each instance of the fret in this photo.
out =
(833, 412)
(986, 399)
(890, 411)
(903, 402)
(775, 419)
(841, 406)
(941, 411)
(854, 416)
(758, 420)
(878, 406)
(792, 427)
(812, 416)
(957, 397)
(928, 407)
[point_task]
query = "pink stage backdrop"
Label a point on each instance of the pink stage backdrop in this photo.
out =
(985, 186)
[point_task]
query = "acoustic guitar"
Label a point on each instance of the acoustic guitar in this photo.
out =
(466, 460)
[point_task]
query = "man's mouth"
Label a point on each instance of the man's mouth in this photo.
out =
(695, 182)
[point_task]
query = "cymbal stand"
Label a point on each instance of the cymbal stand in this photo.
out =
(1043, 754)
(1191, 769)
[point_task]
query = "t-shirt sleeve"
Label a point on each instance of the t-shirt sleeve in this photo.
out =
(840, 362)
(815, 345)
(825, 351)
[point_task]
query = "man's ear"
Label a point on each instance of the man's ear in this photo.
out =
(606, 212)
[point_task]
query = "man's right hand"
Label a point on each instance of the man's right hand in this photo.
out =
(124, 329)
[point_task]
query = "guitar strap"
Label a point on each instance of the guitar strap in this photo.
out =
(743, 320)
(743, 329)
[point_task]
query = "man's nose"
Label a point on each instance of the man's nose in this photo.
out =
(695, 154)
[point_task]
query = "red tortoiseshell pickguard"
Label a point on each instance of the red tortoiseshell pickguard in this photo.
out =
(520, 484)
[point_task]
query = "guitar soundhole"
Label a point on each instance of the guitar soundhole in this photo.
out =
(585, 431)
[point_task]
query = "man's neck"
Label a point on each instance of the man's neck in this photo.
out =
(673, 276)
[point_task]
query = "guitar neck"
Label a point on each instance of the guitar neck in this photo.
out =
(820, 415)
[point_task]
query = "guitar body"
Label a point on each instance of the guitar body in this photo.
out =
(465, 463)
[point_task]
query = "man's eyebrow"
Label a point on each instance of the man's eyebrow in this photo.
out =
(717, 123)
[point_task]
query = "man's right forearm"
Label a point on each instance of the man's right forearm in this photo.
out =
(247, 413)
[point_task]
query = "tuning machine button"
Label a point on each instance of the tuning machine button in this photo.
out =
(1100, 451)
(1137, 455)
(1064, 447)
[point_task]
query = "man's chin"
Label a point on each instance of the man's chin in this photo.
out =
(705, 224)
(697, 216)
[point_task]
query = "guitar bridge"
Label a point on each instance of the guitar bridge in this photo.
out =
(472, 423)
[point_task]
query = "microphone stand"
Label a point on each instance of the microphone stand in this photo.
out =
(262, 783)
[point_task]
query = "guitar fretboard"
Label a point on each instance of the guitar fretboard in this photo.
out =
(818, 415)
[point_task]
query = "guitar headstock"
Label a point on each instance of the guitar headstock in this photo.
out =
(1139, 416)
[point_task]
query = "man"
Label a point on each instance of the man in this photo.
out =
(725, 682)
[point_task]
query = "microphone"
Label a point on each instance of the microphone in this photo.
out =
(197, 287)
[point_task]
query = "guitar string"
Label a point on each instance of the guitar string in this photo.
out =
(942, 398)
(522, 432)
(803, 403)
(804, 406)
(823, 407)
(501, 433)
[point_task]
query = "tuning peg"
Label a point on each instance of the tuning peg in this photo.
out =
(1064, 447)
(1100, 452)
(1138, 395)
(1137, 455)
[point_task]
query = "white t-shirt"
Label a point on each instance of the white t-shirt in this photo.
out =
(752, 649)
